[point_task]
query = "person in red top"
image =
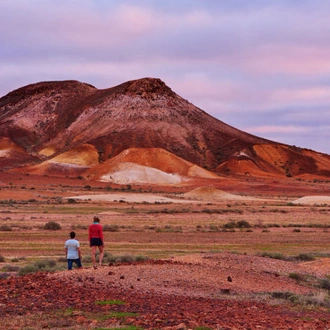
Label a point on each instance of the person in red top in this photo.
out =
(95, 237)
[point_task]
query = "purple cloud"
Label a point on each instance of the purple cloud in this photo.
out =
(260, 66)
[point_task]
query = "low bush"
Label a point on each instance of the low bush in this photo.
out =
(5, 228)
(125, 258)
(229, 225)
(243, 224)
(275, 255)
(2, 258)
(296, 276)
(286, 295)
(304, 257)
(112, 228)
(238, 224)
(52, 225)
(9, 268)
(38, 266)
(45, 264)
(325, 284)
(27, 270)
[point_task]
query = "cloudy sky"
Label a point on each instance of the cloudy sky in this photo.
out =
(262, 66)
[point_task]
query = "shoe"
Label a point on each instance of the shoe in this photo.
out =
(95, 267)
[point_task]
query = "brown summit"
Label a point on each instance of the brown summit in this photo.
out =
(39, 122)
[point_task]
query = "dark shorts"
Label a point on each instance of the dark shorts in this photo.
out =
(96, 242)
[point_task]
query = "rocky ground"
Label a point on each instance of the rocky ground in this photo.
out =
(214, 291)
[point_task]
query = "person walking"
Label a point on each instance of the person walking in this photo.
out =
(96, 240)
(72, 251)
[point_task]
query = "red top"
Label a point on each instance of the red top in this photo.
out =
(95, 231)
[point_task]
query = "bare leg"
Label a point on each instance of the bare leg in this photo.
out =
(93, 255)
(101, 254)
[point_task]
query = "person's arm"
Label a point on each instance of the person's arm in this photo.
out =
(79, 253)
(101, 234)
(66, 252)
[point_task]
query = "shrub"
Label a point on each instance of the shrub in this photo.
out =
(304, 257)
(275, 255)
(125, 258)
(141, 258)
(112, 228)
(52, 225)
(71, 201)
(9, 268)
(296, 276)
(285, 295)
(325, 284)
(87, 259)
(27, 270)
(5, 228)
(45, 264)
(318, 299)
(2, 258)
(243, 224)
(39, 265)
(231, 224)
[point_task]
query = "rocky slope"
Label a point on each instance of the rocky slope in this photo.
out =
(74, 127)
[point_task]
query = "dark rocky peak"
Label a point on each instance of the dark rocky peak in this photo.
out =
(145, 88)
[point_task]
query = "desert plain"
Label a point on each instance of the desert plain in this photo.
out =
(235, 253)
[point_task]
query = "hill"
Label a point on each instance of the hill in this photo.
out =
(69, 127)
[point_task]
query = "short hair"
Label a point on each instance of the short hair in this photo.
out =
(72, 234)
(96, 218)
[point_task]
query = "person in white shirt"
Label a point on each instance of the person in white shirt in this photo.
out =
(72, 251)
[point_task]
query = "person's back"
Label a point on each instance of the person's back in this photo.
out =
(95, 237)
(95, 231)
(72, 251)
(72, 245)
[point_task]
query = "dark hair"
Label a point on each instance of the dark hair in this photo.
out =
(72, 234)
(96, 218)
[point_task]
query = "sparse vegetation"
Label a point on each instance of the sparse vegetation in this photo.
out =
(113, 228)
(237, 224)
(325, 284)
(39, 265)
(320, 298)
(52, 225)
(5, 228)
(275, 255)
(110, 302)
(304, 257)
(10, 268)
(296, 276)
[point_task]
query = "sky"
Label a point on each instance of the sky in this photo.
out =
(262, 66)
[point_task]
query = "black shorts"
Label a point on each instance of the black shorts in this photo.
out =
(96, 242)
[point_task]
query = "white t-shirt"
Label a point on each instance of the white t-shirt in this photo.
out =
(72, 245)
